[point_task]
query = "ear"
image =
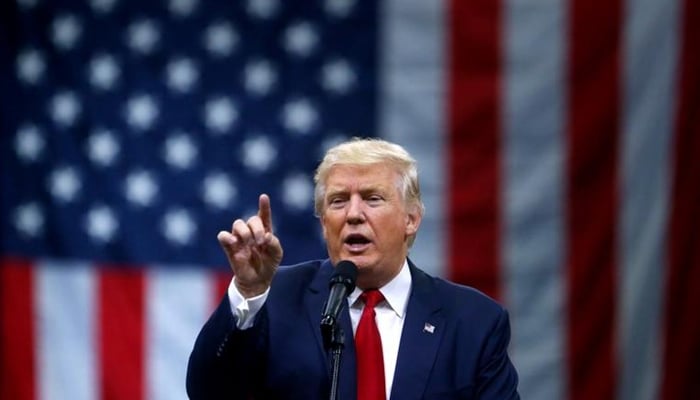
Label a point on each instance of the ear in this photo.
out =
(322, 219)
(413, 220)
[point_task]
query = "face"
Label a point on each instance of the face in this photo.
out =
(366, 221)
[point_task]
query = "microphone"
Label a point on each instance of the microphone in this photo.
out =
(342, 283)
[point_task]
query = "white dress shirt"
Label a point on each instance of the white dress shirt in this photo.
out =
(390, 315)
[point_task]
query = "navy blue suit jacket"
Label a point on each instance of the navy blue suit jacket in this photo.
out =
(282, 355)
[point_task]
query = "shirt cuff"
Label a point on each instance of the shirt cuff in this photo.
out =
(244, 309)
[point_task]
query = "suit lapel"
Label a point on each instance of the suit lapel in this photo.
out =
(314, 302)
(422, 332)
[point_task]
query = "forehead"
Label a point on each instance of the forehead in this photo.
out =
(343, 176)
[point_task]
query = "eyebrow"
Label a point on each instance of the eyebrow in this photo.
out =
(330, 191)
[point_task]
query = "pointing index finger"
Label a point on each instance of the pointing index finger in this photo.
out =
(265, 212)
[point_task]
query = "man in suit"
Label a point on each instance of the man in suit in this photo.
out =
(431, 339)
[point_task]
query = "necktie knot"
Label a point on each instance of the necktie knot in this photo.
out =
(371, 298)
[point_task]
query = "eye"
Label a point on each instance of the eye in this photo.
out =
(374, 199)
(336, 202)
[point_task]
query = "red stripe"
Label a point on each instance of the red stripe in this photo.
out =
(474, 143)
(122, 333)
(17, 368)
(221, 282)
(593, 130)
(682, 325)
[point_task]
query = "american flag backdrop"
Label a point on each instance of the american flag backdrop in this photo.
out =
(558, 144)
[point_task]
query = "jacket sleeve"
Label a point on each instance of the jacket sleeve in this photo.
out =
(226, 362)
(497, 378)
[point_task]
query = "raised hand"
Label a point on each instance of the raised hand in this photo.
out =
(253, 251)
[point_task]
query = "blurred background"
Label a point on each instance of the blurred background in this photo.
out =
(557, 141)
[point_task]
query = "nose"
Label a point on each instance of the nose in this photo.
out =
(356, 214)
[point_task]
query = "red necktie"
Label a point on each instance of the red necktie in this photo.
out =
(370, 361)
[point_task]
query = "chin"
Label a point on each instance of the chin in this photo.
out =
(362, 262)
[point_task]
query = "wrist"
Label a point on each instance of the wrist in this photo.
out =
(250, 290)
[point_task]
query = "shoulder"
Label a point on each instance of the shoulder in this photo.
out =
(458, 300)
(462, 294)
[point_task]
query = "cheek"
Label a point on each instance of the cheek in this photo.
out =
(389, 229)
(330, 231)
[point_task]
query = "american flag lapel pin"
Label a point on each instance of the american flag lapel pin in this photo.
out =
(428, 328)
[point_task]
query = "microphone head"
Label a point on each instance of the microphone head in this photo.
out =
(345, 273)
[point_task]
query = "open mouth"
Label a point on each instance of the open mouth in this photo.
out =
(357, 242)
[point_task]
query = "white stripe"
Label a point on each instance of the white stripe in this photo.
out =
(65, 331)
(650, 62)
(533, 190)
(178, 303)
(412, 111)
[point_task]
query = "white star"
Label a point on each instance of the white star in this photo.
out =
(259, 77)
(182, 74)
(258, 153)
(29, 219)
(299, 116)
(31, 66)
(339, 8)
(220, 114)
(217, 190)
(220, 39)
(178, 227)
(104, 72)
(102, 147)
(298, 192)
(263, 9)
(141, 112)
(66, 31)
(179, 151)
(29, 143)
(64, 184)
(64, 108)
(300, 39)
(141, 188)
(101, 224)
(143, 36)
(182, 8)
(102, 6)
(27, 4)
(338, 77)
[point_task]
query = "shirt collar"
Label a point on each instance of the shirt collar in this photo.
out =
(395, 292)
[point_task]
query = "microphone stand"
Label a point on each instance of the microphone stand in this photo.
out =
(333, 341)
